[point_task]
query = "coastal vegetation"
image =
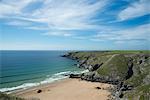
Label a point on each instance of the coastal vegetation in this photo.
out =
(128, 70)
(4, 96)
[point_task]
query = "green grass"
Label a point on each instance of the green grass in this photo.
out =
(84, 54)
(4, 96)
(142, 92)
(138, 79)
(130, 51)
(117, 65)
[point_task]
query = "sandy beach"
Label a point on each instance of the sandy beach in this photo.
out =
(68, 89)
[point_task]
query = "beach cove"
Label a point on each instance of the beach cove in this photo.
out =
(68, 89)
(107, 75)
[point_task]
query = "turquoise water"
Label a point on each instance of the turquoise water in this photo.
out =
(23, 69)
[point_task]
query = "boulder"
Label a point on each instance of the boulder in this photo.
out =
(98, 87)
(63, 55)
(39, 91)
(88, 76)
(75, 76)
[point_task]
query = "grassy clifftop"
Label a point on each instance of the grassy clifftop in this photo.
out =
(116, 66)
(130, 68)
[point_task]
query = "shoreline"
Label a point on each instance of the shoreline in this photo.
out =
(21, 91)
(68, 89)
(54, 78)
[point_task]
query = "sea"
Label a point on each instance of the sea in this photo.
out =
(25, 69)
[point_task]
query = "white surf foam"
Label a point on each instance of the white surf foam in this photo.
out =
(55, 77)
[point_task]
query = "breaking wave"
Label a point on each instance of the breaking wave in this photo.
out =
(49, 79)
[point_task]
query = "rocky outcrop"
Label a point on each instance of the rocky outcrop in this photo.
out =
(75, 75)
(94, 77)
(129, 71)
(95, 67)
(83, 62)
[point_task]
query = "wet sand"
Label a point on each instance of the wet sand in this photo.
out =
(68, 89)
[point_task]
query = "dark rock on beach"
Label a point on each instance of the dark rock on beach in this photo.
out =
(39, 91)
(98, 87)
(75, 76)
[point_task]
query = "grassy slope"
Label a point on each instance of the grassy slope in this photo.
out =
(119, 61)
(117, 64)
(9, 97)
(141, 92)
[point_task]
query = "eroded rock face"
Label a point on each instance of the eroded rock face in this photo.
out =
(95, 67)
(126, 70)
(88, 76)
(146, 80)
(130, 69)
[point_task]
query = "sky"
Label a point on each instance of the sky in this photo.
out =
(74, 24)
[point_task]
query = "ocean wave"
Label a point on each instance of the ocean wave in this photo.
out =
(49, 79)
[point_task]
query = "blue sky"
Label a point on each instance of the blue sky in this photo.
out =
(74, 24)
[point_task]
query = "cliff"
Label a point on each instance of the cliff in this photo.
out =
(129, 71)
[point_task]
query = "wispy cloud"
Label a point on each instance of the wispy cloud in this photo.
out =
(135, 9)
(81, 20)
(59, 33)
(13, 7)
(58, 14)
(139, 33)
(18, 23)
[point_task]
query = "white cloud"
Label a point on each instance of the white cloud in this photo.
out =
(69, 14)
(58, 14)
(18, 23)
(139, 33)
(12, 7)
(136, 9)
(80, 37)
(97, 40)
(37, 28)
(58, 33)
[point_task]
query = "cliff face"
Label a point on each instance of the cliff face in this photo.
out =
(129, 70)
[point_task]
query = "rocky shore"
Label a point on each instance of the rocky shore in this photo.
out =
(128, 71)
